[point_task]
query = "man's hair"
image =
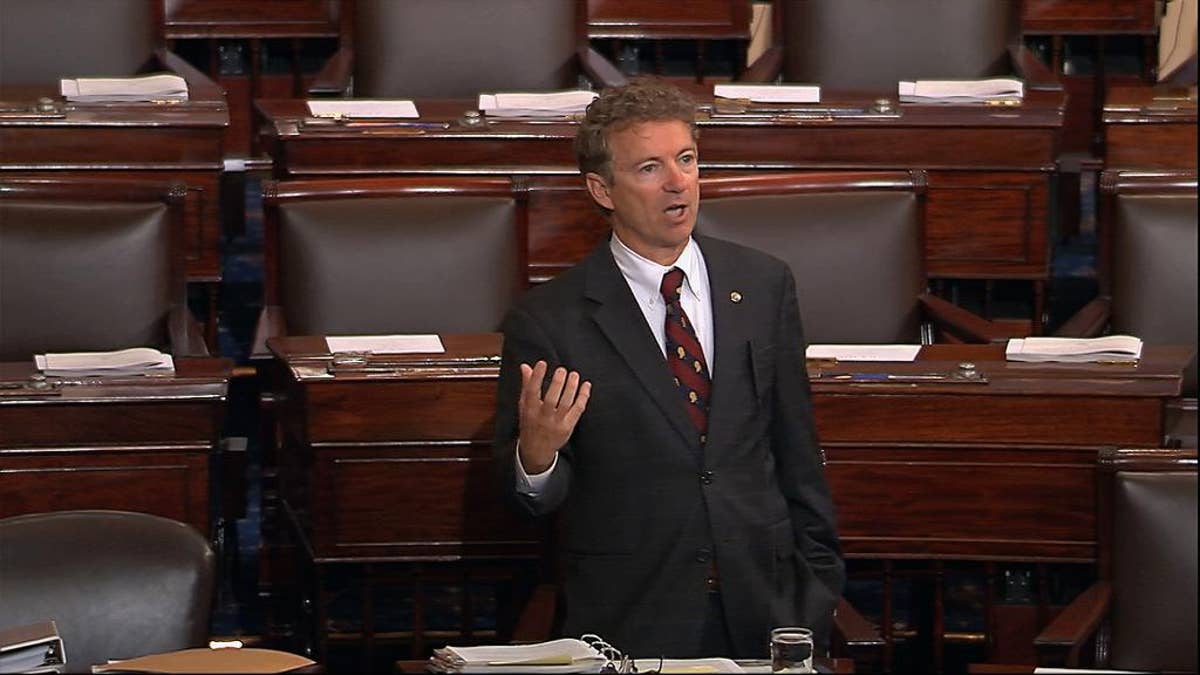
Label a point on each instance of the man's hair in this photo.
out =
(616, 109)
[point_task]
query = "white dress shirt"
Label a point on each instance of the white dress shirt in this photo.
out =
(644, 277)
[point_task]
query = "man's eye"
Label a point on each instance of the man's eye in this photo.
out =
(648, 168)
(687, 159)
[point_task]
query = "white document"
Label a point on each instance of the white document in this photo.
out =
(386, 344)
(116, 89)
(1082, 671)
(705, 665)
(363, 108)
(770, 93)
(863, 352)
(951, 91)
(524, 104)
(1108, 349)
(136, 361)
(567, 655)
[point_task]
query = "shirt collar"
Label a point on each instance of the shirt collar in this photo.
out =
(645, 276)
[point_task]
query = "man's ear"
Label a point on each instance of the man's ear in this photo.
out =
(598, 188)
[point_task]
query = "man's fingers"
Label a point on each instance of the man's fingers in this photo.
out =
(580, 404)
(554, 391)
(531, 383)
(568, 393)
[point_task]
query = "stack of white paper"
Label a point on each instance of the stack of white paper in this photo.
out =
(770, 93)
(567, 655)
(961, 91)
(863, 352)
(136, 361)
(362, 108)
(385, 344)
(551, 104)
(1108, 349)
(162, 87)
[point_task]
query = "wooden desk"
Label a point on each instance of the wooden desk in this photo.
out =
(840, 666)
(136, 444)
(1148, 128)
(147, 141)
(931, 470)
(990, 168)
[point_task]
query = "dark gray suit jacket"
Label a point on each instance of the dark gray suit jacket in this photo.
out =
(642, 505)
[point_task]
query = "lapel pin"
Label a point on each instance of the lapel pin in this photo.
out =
(735, 297)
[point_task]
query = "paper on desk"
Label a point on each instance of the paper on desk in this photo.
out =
(135, 361)
(863, 352)
(708, 665)
(1080, 671)
(205, 660)
(770, 93)
(524, 104)
(386, 344)
(162, 86)
(363, 108)
(996, 88)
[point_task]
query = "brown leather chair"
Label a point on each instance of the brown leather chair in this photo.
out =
(870, 45)
(460, 48)
(1141, 613)
(42, 42)
(88, 266)
(118, 584)
(391, 255)
(853, 241)
(1148, 274)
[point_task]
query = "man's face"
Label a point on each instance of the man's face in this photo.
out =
(655, 188)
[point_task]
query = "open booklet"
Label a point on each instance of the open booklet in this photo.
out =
(529, 104)
(135, 361)
(34, 648)
(1108, 349)
(160, 87)
(569, 655)
(961, 91)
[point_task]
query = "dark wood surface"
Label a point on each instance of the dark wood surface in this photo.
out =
(1150, 127)
(1088, 17)
(990, 167)
(636, 19)
(185, 19)
(137, 444)
(136, 141)
(967, 470)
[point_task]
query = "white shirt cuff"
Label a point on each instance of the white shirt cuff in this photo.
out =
(532, 485)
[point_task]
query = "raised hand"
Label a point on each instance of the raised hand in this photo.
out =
(547, 422)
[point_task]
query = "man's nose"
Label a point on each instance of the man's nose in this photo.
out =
(676, 180)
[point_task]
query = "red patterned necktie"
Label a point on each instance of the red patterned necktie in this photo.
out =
(685, 357)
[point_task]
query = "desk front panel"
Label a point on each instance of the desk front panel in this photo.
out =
(170, 481)
(1149, 127)
(136, 151)
(398, 469)
(990, 169)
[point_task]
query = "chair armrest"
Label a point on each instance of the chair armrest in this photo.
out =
(537, 618)
(184, 334)
(765, 68)
(334, 78)
(270, 324)
(1069, 631)
(601, 71)
(961, 323)
(200, 86)
(1030, 68)
(1089, 321)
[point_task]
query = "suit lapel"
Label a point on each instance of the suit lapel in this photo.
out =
(623, 324)
(732, 328)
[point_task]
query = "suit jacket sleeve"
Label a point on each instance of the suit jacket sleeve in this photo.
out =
(524, 342)
(800, 465)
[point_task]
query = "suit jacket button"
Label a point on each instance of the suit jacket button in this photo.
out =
(706, 478)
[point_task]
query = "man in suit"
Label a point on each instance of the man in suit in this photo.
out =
(675, 436)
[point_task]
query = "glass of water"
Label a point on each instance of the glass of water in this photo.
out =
(791, 650)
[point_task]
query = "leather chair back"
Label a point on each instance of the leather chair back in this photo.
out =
(42, 41)
(853, 242)
(397, 263)
(1154, 277)
(85, 272)
(1153, 557)
(460, 48)
(871, 45)
(117, 584)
